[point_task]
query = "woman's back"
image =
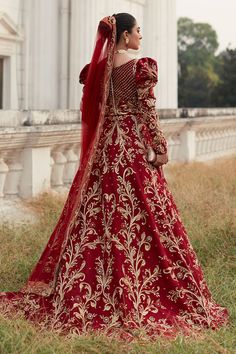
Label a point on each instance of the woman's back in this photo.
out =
(123, 92)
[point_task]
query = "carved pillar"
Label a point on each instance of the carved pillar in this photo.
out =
(13, 178)
(84, 21)
(70, 166)
(40, 80)
(36, 171)
(64, 53)
(160, 42)
(58, 170)
(187, 145)
(3, 173)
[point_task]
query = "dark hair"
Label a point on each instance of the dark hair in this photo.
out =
(124, 22)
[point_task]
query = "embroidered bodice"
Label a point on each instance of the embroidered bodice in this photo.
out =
(123, 86)
(131, 92)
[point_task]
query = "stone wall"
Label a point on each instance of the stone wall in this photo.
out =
(39, 150)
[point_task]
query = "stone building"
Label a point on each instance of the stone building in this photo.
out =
(43, 46)
(45, 43)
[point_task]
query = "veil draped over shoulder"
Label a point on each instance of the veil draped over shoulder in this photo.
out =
(96, 77)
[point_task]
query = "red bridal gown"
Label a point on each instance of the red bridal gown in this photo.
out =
(128, 263)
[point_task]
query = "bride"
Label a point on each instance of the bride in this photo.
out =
(119, 259)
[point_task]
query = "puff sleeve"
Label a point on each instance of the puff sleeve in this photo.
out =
(82, 80)
(83, 74)
(146, 77)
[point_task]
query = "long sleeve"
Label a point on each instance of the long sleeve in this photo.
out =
(146, 77)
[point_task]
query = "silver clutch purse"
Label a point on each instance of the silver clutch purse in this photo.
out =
(151, 155)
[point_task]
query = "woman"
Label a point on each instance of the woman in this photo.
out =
(119, 259)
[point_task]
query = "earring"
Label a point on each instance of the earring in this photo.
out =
(127, 40)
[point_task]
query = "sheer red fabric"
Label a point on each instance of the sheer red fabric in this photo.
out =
(43, 277)
(96, 83)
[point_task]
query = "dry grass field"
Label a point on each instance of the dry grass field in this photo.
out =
(206, 198)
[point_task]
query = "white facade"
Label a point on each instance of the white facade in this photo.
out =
(44, 45)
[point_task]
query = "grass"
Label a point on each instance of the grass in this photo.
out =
(206, 198)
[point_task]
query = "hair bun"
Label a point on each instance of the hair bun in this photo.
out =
(106, 24)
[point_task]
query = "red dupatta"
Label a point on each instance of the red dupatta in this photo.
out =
(44, 275)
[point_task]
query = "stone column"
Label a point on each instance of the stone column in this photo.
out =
(64, 54)
(160, 42)
(36, 172)
(187, 151)
(85, 15)
(41, 56)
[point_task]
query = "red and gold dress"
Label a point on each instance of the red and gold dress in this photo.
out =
(128, 263)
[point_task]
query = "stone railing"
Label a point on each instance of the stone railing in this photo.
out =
(39, 150)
